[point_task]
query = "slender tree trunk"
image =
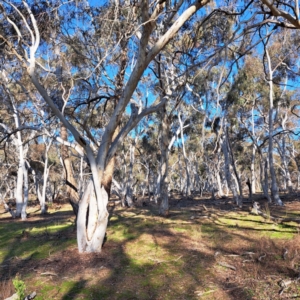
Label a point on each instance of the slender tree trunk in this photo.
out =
(220, 188)
(26, 192)
(21, 169)
(265, 178)
(252, 169)
(252, 166)
(45, 178)
(186, 161)
(129, 190)
(287, 175)
(19, 188)
(72, 191)
(274, 187)
(164, 161)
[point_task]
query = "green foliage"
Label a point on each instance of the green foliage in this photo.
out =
(20, 287)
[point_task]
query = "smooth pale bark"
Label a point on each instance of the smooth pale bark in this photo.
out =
(186, 161)
(91, 231)
(129, 187)
(102, 166)
(157, 190)
(220, 188)
(252, 166)
(45, 178)
(283, 155)
(26, 192)
(19, 187)
(228, 176)
(20, 174)
(274, 187)
(265, 182)
(276, 11)
(252, 170)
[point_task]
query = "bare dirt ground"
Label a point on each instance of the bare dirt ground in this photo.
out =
(205, 250)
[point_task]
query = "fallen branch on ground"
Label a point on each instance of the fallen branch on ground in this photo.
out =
(223, 264)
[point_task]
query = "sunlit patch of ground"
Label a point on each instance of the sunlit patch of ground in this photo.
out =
(205, 249)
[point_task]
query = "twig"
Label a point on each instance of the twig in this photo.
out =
(49, 273)
(199, 293)
(223, 264)
(262, 256)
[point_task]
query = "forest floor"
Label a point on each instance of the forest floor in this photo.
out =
(205, 249)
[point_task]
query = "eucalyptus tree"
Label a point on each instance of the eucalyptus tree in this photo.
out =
(25, 43)
(278, 63)
(19, 134)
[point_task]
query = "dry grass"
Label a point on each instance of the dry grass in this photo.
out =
(228, 254)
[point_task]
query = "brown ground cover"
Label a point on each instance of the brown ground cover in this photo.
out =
(205, 250)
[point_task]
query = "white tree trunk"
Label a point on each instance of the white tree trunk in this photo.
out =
(274, 188)
(129, 185)
(92, 219)
(19, 188)
(287, 175)
(252, 166)
(265, 179)
(186, 161)
(220, 188)
(21, 167)
(26, 192)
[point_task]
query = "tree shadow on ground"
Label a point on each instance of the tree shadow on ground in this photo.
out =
(149, 257)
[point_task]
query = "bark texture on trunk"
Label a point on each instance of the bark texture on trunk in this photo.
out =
(92, 220)
(228, 176)
(165, 128)
(72, 191)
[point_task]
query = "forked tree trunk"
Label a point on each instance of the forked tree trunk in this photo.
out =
(92, 219)
(93, 215)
